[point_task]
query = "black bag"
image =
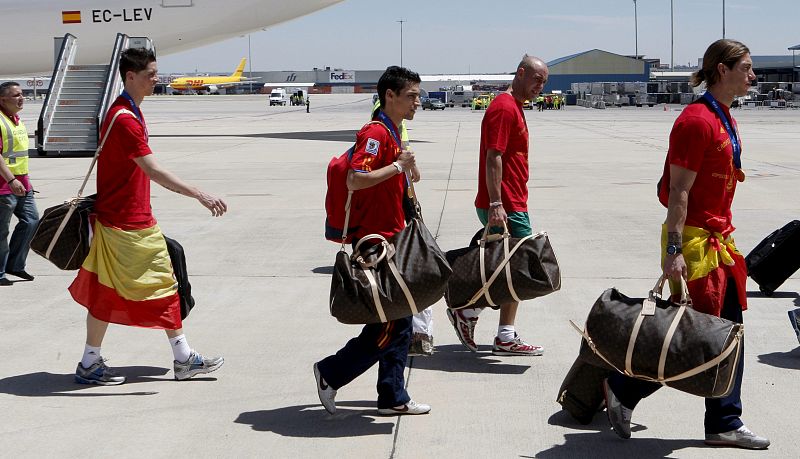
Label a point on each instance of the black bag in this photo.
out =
(775, 258)
(63, 233)
(396, 278)
(581, 393)
(501, 269)
(655, 340)
(178, 258)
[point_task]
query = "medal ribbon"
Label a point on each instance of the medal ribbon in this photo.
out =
(733, 133)
(137, 112)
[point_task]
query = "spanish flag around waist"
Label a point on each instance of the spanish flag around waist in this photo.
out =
(711, 260)
(128, 279)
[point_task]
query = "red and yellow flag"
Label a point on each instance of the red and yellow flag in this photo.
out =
(71, 17)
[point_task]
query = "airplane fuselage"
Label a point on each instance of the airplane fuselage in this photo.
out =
(173, 25)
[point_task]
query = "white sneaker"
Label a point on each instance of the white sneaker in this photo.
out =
(327, 394)
(740, 438)
(411, 407)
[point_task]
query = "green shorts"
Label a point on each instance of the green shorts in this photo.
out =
(519, 223)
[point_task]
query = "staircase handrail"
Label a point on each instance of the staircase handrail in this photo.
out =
(66, 56)
(113, 86)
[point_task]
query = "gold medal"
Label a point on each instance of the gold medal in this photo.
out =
(740, 175)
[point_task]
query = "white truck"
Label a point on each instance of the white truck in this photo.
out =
(278, 96)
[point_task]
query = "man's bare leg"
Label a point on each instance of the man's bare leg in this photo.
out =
(95, 330)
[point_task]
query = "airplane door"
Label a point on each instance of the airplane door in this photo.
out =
(176, 3)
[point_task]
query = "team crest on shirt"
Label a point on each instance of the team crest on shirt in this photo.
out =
(373, 146)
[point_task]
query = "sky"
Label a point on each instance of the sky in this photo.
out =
(469, 36)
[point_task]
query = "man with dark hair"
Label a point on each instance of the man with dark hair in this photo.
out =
(127, 278)
(16, 192)
(502, 198)
(377, 173)
(702, 168)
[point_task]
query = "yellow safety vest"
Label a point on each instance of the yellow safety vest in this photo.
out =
(15, 145)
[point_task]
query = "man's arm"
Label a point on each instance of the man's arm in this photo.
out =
(681, 181)
(360, 180)
(171, 182)
(494, 178)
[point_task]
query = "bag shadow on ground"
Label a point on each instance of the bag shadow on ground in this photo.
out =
(323, 270)
(312, 421)
(44, 384)
(455, 358)
(599, 423)
(789, 360)
(599, 445)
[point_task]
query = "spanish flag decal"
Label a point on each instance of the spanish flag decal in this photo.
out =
(71, 17)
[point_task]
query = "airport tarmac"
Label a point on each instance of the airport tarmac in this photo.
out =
(260, 275)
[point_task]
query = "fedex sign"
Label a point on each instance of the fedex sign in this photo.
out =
(342, 76)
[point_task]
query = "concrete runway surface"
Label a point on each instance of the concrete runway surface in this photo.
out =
(260, 275)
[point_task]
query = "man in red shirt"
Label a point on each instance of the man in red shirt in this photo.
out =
(127, 278)
(701, 171)
(378, 179)
(503, 193)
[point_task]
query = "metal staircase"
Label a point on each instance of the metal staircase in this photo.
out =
(78, 100)
(73, 126)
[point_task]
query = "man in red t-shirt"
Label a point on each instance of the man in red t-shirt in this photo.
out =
(503, 193)
(702, 168)
(377, 176)
(127, 278)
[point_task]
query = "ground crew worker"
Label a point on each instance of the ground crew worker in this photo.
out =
(16, 191)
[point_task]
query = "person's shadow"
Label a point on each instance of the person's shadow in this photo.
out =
(599, 441)
(790, 360)
(312, 421)
(43, 384)
(455, 358)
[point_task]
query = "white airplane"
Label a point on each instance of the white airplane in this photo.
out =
(173, 25)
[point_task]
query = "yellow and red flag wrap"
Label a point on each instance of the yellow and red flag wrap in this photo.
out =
(711, 261)
(127, 278)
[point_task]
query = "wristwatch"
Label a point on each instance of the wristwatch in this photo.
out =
(674, 249)
(398, 167)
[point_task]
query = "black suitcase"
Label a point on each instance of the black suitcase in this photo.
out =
(581, 393)
(775, 258)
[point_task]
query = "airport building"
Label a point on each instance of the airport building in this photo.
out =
(589, 66)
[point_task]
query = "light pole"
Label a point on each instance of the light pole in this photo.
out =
(723, 18)
(671, 39)
(401, 21)
(249, 64)
(636, 29)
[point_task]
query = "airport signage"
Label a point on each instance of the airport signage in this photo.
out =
(342, 76)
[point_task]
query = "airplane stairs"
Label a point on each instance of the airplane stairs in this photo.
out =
(77, 102)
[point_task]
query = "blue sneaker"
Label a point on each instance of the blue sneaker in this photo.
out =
(794, 317)
(98, 373)
(196, 365)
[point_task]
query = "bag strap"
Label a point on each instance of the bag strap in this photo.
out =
(74, 203)
(487, 284)
(97, 153)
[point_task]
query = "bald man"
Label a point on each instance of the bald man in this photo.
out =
(503, 193)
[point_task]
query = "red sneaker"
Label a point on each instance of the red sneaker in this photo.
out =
(515, 347)
(465, 328)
